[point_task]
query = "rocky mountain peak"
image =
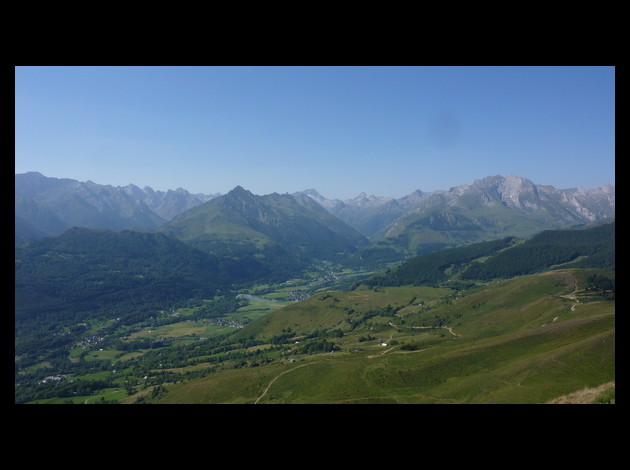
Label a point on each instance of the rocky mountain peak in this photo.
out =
(512, 188)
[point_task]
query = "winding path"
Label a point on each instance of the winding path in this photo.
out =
(450, 329)
(277, 377)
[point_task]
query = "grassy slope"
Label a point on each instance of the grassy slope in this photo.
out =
(333, 310)
(517, 341)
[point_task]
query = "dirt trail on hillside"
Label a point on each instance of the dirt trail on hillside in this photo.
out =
(449, 328)
(277, 377)
(372, 356)
(570, 281)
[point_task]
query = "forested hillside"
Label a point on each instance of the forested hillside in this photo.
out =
(96, 271)
(433, 268)
(586, 248)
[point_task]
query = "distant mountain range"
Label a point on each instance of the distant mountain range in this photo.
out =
(376, 216)
(306, 225)
(485, 209)
(49, 206)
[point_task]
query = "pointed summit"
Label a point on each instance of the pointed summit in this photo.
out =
(239, 194)
(239, 191)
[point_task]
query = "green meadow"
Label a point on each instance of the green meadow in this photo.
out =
(514, 341)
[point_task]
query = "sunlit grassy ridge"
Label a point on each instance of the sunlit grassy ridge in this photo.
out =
(339, 309)
(517, 341)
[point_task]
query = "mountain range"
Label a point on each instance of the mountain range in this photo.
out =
(305, 225)
(47, 206)
(378, 217)
(485, 209)
(150, 305)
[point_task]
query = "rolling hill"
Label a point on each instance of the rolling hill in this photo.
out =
(521, 341)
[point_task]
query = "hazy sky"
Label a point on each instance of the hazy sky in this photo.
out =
(341, 130)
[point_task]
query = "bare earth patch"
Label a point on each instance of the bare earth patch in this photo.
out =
(581, 397)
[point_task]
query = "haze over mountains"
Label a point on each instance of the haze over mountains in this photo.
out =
(485, 209)
(306, 224)
(375, 216)
(48, 206)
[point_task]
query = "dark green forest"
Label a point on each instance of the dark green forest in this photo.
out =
(431, 268)
(90, 274)
(594, 246)
(586, 248)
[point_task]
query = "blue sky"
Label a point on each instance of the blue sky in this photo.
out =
(341, 130)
